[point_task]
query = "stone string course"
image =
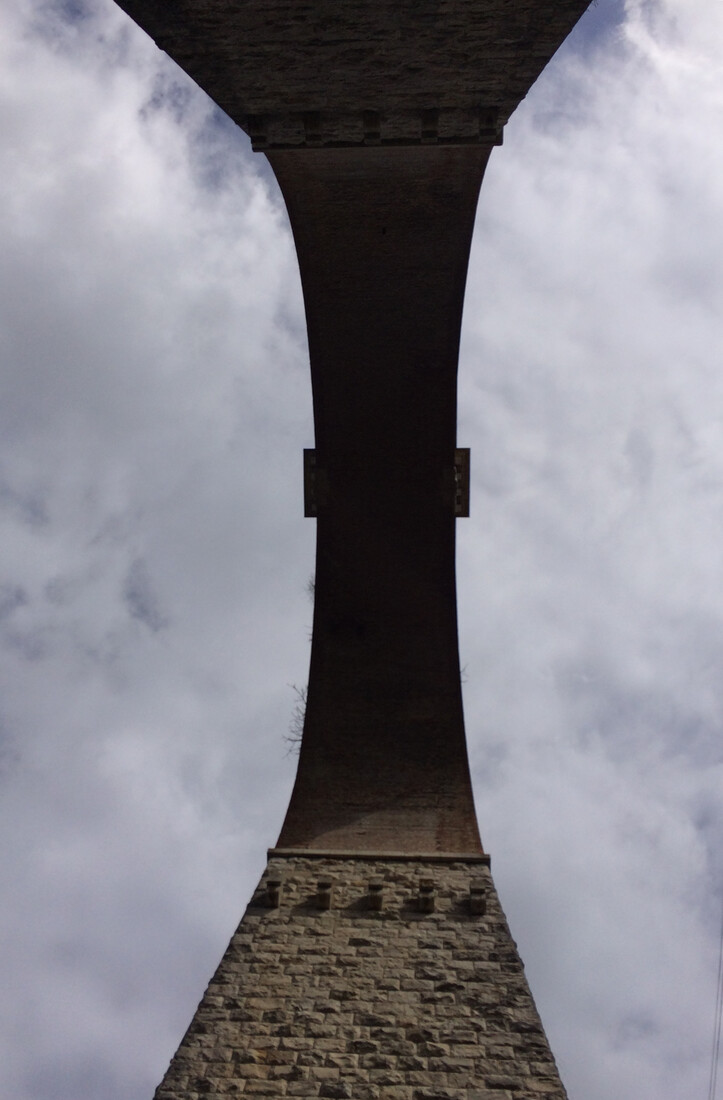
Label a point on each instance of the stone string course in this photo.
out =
(350, 1003)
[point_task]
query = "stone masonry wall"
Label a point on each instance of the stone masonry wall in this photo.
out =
(268, 63)
(368, 979)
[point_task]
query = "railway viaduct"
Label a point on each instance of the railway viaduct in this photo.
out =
(374, 961)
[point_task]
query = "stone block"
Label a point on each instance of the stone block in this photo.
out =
(436, 1026)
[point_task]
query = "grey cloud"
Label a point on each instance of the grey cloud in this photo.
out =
(140, 597)
(29, 508)
(155, 403)
(169, 94)
(11, 597)
(69, 1077)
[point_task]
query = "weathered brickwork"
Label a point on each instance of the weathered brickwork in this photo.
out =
(298, 74)
(368, 979)
(362, 977)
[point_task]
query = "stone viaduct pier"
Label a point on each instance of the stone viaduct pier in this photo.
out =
(374, 961)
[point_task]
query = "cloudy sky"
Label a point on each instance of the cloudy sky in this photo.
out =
(154, 562)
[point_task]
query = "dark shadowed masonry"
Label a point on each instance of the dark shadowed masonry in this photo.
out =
(374, 960)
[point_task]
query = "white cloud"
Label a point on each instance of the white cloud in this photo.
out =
(155, 401)
(590, 386)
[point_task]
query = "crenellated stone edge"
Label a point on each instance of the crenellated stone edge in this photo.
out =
(368, 979)
(374, 857)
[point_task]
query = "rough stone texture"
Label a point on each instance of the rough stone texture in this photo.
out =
(347, 1002)
(296, 73)
(378, 116)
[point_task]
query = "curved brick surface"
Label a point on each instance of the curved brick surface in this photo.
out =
(382, 237)
(378, 117)
(351, 1003)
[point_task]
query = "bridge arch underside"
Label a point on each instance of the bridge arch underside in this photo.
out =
(383, 237)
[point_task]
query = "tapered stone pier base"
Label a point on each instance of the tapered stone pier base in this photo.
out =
(370, 978)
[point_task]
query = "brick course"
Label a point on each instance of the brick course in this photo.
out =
(378, 118)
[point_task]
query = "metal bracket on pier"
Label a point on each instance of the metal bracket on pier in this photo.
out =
(316, 484)
(461, 481)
